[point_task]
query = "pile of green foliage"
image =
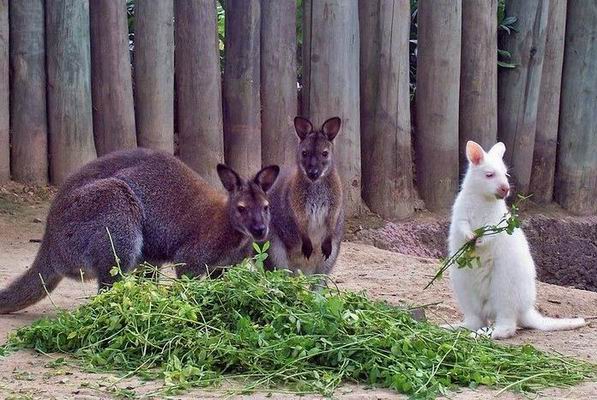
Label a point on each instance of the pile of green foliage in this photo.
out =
(269, 329)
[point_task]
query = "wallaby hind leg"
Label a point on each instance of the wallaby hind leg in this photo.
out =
(95, 224)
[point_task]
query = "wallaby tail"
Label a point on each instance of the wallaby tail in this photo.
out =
(29, 288)
(534, 320)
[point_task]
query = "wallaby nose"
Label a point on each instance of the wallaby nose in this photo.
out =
(259, 231)
(313, 173)
(503, 191)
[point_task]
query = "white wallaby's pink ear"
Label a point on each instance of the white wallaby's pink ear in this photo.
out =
(498, 149)
(474, 152)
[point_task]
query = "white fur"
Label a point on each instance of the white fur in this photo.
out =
(502, 289)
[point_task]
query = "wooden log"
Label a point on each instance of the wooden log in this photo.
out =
(478, 76)
(111, 81)
(518, 88)
(278, 81)
(154, 74)
(548, 109)
(198, 87)
(437, 98)
(385, 107)
(576, 176)
(303, 96)
(68, 63)
(331, 57)
(28, 113)
(4, 94)
(242, 103)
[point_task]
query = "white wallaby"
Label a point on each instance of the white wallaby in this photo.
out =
(502, 289)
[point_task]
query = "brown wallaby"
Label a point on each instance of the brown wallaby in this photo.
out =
(308, 204)
(156, 209)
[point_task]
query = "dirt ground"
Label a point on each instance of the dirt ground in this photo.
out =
(564, 246)
(383, 274)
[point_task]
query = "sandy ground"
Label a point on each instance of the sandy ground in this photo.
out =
(383, 274)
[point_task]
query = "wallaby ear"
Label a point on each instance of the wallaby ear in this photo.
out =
(229, 178)
(303, 127)
(266, 177)
(331, 127)
(474, 152)
(498, 149)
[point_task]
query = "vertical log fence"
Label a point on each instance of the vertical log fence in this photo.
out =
(242, 101)
(154, 74)
(199, 94)
(438, 87)
(518, 89)
(546, 134)
(4, 94)
(385, 126)
(28, 113)
(111, 83)
(68, 62)
(478, 76)
(331, 56)
(576, 177)
(278, 81)
(72, 87)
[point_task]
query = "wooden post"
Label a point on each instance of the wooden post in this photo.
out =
(331, 57)
(111, 82)
(28, 114)
(385, 107)
(576, 176)
(198, 87)
(518, 88)
(478, 76)
(548, 109)
(437, 97)
(278, 81)
(154, 74)
(242, 104)
(4, 94)
(69, 87)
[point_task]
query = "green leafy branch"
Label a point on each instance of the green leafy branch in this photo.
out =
(465, 256)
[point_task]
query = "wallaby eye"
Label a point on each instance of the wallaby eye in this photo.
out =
(489, 174)
(266, 208)
(241, 209)
(305, 153)
(325, 153)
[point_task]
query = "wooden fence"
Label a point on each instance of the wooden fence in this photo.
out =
(71, 90)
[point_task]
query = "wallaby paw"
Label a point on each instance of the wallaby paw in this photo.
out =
(326, 248)
(307, 248)
(486, 331)
(480, 241)
(503, 332)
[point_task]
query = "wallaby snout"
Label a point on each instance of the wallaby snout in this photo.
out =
(259, 231)
(503, 191)
(313, 173)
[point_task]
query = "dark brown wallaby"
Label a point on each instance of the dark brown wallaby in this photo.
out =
(156, 209)
(308, 205)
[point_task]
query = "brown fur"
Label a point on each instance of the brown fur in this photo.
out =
(155, 208)
(308, 204)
